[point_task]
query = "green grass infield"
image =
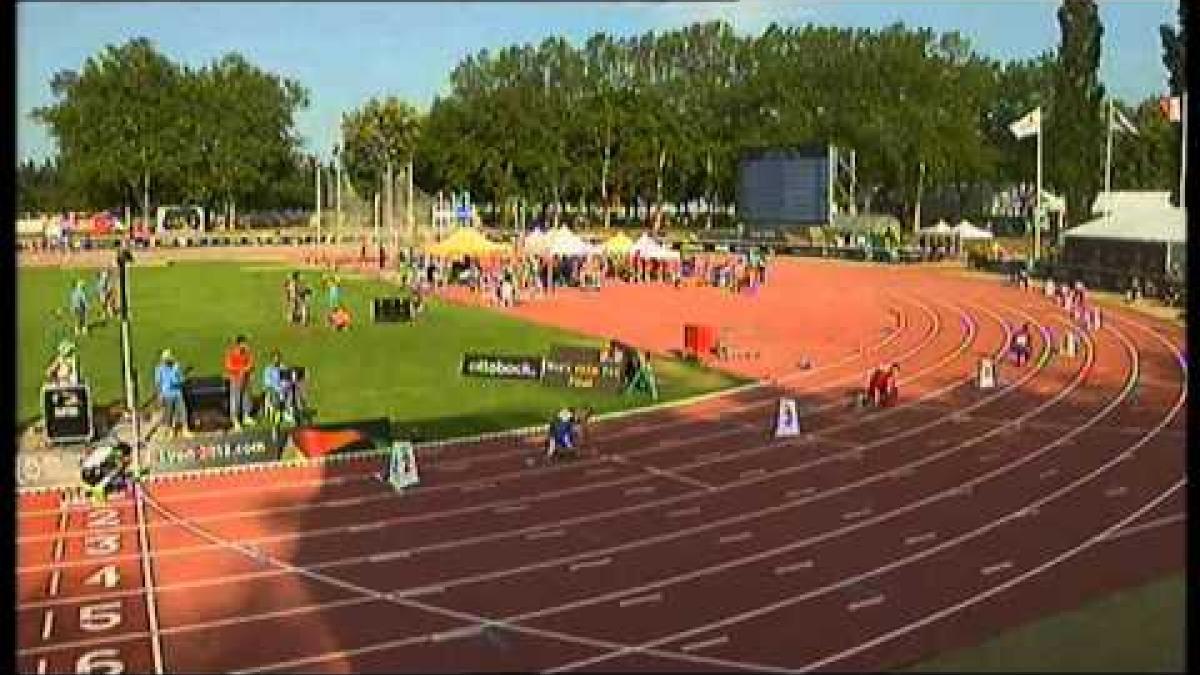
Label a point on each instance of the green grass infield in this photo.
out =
(409, 373)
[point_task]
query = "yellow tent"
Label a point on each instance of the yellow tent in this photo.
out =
(465, 241)
(618, 244)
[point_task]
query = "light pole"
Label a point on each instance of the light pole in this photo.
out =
(317, 168)
(337, 223)
(124, 257)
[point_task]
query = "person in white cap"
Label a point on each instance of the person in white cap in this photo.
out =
(168, 380)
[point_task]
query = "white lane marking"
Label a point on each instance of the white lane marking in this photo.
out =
(55, 578)
(589, 563)
(856, 514)
(903, 472)
(803, 492)
(47, 624)
(683, 512)
(510, 508)
(920, 538)
(792, 567)
(413, 592)
(679, 477)
(998, 567)
(863, 604)
(643, 490)
(364, 527)
(753, 472)
(58, 549)
(730, 538)
(548, 534)
(1153, 524)
(694, 646)
(457, 633)
(1048, 473)
(641, 600)
(1116, 491)
(384, 557)
(477, 487)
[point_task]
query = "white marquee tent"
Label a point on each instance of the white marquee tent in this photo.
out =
(967, 231)
(646, 247)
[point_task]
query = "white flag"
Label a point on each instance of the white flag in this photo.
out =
(1170, 108)
(1121, 123)
(1028, 125)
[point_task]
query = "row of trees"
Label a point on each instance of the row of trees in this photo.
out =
(650, 119)
(132, 121)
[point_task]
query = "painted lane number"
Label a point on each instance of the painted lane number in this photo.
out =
(100, 617)
(100, 662)
(106, 576)
(101, 544)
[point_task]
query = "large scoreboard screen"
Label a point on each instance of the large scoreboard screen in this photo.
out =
(784, 187)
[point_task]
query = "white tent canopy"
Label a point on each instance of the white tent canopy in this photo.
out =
(1141, 223)
(941, 227)
(562, 241)
(646, 247)
(968, 231)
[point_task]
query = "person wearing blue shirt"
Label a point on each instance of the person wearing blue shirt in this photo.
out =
(78, 303)
(278, 389)
(168, 381)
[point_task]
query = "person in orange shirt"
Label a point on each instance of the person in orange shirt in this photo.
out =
(239, 361)
(339, 318)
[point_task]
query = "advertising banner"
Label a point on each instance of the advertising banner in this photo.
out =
(501, 366)
(583, 373)
(220, 450)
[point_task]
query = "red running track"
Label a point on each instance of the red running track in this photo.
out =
(688, 539)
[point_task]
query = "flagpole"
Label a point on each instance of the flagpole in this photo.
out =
(1037, 216)
(1108, 166)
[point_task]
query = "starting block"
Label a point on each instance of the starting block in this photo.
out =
(402, 466)
(986, 378)
(787, 422)
(1070, 346)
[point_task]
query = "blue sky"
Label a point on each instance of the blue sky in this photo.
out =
(347, 52)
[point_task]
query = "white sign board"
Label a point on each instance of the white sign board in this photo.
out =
(787, 423)
(987, 374)
(402, 465)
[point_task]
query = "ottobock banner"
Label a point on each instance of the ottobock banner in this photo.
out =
(501, 366)
(219, 450)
